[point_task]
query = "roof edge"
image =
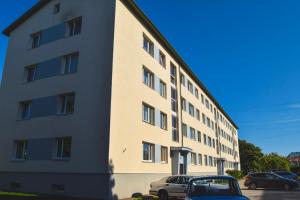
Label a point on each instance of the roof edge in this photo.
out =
(35, 8)
(133, 7)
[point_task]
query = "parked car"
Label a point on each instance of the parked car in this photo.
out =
(214, 188)
(171, 186)
(285, 174)
(269, 180)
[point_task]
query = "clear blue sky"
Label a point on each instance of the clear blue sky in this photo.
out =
(247, 53)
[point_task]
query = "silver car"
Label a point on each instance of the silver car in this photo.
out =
(170, 187)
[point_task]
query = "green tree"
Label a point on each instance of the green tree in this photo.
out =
(274, 161)
(250, 156)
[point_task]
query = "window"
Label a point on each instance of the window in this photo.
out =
(210, 161)
(175, 136)
(208, 122)
(173, 73)
(15, 185)
(196, 93)
(191, 110)
(182, 79)
(30, 73)
(198, 114)
(66, 103)
(148, 46)
(193, 158)
(56, 8)
(199, 136)
(148, 152)
(202, 98)
(193, 133)
(183, 104)
(184, 130)
(20, 147)
(148, 78)
(148, 114)
(162, 59)
(173, 99)
(25, 108)
(200, 159)
(162, 89)
(63, 148)
(206, 103)
(70, 63)
(163, 121)
(57, 188)
(164, 154)
(209, 141)
(36, 38)
(214, 143)
(205, 160)
(203, 118)
(190, 87)
(75, 26)
(205, 139)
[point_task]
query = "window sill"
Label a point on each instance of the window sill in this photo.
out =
(64, 114)
(148, 161)
(17, 160)
(21, 120)
(61, 159)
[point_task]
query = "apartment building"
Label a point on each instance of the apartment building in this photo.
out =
(96, 103)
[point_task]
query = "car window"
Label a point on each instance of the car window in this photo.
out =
(213, 186)
(271, 176)
(173, 179)
(184, 180)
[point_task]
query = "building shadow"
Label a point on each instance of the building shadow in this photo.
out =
(111, 182)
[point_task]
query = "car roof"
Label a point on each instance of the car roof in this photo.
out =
(215, 177)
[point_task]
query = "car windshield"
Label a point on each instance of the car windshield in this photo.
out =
(214, 187)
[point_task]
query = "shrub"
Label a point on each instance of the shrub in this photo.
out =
(296, 169)
(235, 173)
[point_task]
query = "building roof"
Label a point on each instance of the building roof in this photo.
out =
(139, 14)
(294, 154)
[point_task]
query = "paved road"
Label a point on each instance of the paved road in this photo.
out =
(272, 194)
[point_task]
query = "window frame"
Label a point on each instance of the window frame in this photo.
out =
(62, 141)
(150, 115)
(148, 75)
(163, 118)
(164, 150)
(149, 48)
(63, 104)
(151, 152)
(24, 150)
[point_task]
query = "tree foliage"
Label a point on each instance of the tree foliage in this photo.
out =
(250, 156)
(274, 161)
(253, 160)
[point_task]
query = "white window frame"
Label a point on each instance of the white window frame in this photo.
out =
(24, 149)
(148, 117)
(164, 150)
(163, 121)
(151, 151)
(61, 156)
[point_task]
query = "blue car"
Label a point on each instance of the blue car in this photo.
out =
(214, 188)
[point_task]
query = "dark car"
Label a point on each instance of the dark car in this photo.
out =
(285, 174)
(269, 180)
(214, 188)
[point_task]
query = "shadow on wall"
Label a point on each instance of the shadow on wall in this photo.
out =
(112, 182)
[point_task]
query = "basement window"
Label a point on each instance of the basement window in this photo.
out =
(56, 8)
(58, 188)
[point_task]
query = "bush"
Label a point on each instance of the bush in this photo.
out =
(235, 173)
(296, 169)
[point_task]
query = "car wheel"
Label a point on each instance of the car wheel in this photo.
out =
(286, 187)
(252, 186)
(163, 195)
